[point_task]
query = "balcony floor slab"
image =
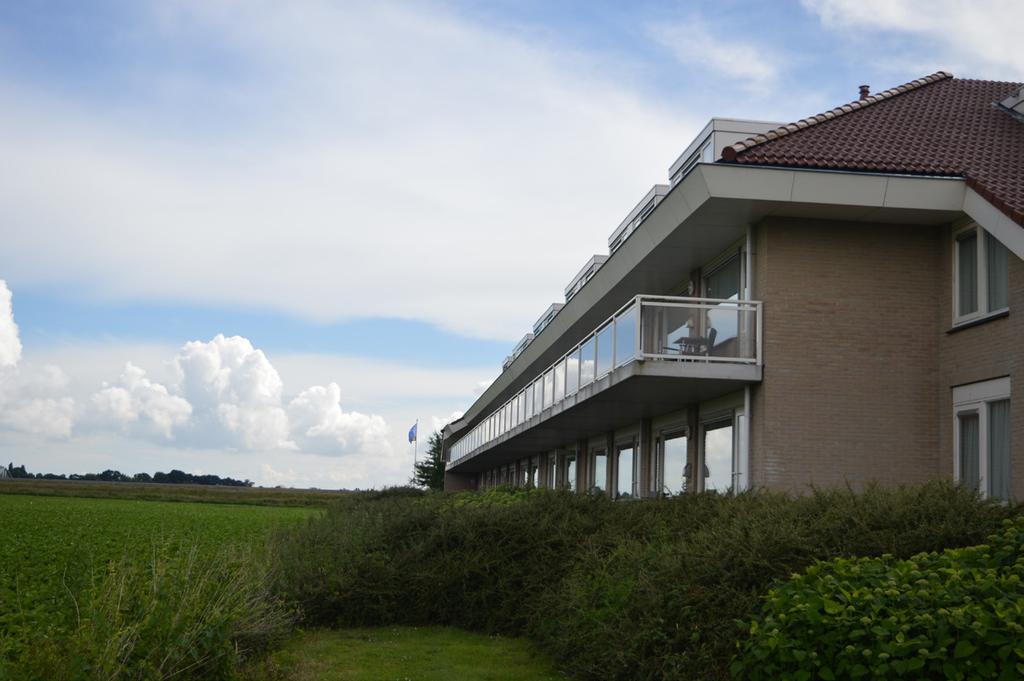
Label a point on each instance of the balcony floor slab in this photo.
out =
(632, 392)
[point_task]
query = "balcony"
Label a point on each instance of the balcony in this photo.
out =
(629, 365)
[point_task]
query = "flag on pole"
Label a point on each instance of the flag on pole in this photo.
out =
(412, 432)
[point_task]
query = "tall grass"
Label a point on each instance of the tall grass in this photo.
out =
(648, 590)
(177, 614)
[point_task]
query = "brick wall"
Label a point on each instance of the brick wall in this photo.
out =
(988, 350)
(851, 347)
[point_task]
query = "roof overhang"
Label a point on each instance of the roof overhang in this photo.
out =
(994, 221)
(711, 208)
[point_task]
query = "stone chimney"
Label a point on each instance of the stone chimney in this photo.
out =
(865, 91)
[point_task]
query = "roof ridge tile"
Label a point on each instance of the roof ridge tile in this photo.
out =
(730, 152)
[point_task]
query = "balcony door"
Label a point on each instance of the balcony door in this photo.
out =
(723, 453)
(600, 471)
(626, 471)
(723, 280)
(670, 468)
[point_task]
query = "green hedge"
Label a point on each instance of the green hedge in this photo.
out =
(958, 614)
(649, 590)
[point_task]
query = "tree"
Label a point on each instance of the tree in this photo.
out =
(429, 471)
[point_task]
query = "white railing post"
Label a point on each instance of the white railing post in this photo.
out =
(760, 332)
(638, 349)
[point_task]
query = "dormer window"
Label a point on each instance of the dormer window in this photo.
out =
(981, 278)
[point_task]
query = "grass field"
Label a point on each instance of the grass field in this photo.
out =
(53, 547)
(414, 653)
(163, 492)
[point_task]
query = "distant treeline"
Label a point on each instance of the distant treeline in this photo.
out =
(175, 477)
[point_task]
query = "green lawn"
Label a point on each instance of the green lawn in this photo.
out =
(409, 654)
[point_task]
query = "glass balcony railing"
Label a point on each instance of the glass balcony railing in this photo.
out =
(647, 328)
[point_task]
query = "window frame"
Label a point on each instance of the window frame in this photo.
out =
(594, 454)
(981, 273)
(621, 445)
(740, 466)
(670, 432)
(975, 398)
(569, 461)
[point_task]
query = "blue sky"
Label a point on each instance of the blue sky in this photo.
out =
(376, 199)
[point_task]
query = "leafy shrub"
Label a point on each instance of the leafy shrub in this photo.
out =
(182, 615)
(646, 590)
(958, 614)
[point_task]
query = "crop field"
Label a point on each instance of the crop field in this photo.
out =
(216, 494)
(53, 547)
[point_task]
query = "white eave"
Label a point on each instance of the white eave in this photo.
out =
(718, 200)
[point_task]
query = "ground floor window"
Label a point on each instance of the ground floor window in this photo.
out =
(625, 473)
(552, 470)
(569, 479)
(600, 460)
(981, 457)
(670, 468)
(718, 450)
(534, 479)
(722, 453)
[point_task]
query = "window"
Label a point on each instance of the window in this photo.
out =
(980, 278)
(981, 458)
(534, 479)
(625, 478)
(600, 471)
(672, 464)
(569, 480)
(718, 456)
(724, 283)
(552, 470)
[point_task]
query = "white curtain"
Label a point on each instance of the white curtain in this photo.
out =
(969, 462)
(967, 273)
(999, 449)
(996, 268)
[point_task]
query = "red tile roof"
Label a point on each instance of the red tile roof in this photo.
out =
(937, 125)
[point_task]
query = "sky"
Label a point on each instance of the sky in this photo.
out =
(262, 239)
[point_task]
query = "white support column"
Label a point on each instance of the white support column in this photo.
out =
(743, 450)
(748, 293)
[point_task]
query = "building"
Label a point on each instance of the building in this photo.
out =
(833, 301)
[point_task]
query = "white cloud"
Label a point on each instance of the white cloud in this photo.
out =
(48, 417)
(755, 68)
(29, 395)
(225, 393)
(392, 392)
(439, 422)
(357, 153)
(320, 425)
(10, 345)
(137, 404)
(235, 393)
(981, 37)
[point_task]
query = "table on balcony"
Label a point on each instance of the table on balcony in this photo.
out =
(694, 345)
